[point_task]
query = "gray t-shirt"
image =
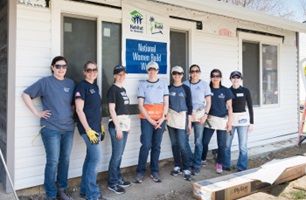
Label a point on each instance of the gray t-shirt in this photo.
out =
(153, 92)
(56, 96)
(199, 91)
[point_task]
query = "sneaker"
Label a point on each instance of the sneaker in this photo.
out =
(176, 171)
(203, 163)
(50, 198)
(138, 178)
(62, 195)
(227, 168)
(195, 171)
(187, 175)
(117, 189)
(124, 183)
(219, 169)
(155, 176)
(82, 195)
(101, 198)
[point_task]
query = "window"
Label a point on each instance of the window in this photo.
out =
(260, 69)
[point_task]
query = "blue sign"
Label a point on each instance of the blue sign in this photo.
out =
(139, 53)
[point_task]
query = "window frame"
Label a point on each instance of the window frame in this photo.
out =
(262, 40)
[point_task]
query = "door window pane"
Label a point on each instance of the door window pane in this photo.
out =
(250, 66)
(269, 74)
(80, 45)
(178, 51)
(111, 56)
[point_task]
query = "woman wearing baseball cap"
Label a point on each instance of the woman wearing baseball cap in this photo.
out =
(153, 100)
(179, 117)
(119, 128)
(242, 122)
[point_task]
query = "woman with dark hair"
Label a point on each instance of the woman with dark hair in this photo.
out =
(201, 101)
(57, 124)
(179, 117)
(219, 117)
(242, 122)
(88, 108)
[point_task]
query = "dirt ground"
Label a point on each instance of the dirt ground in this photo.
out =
(176, 188)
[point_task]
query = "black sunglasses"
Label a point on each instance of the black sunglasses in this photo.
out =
(195, 71)
(58, 66)
(215, 76)
(88, 70)
(177, 73)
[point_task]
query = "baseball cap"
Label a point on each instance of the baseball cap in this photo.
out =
(152, 64)
(118, 69)
(236, 73)
(178, 69)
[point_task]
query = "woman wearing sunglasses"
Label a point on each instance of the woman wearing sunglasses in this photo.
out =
(56, 120)
(242, 122)
(88, 108)
(179, 117)
(219, 117)
(119, 128)
(201, 100)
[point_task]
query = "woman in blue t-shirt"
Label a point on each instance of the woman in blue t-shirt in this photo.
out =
(88, 108)
(180, 107)
(56, 120)
(219, 117)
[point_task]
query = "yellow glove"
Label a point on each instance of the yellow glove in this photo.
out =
(103, 132)
(92, 136)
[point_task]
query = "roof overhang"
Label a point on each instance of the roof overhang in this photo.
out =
(229, 10)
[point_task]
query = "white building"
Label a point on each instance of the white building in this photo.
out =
(211, 34)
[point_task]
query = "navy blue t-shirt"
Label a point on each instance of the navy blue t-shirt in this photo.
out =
(218, 101)
(180, 98)
(89, 93)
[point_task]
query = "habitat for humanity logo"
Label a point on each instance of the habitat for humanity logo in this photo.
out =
(136, 19)
(156, 27)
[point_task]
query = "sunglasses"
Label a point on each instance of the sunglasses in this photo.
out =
(215, 76)
(195, 71)
(177, 73)
(152, 69)
(58, 66)
(88, 70)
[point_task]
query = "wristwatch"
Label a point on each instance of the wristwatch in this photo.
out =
(165, 115)
(205, 113)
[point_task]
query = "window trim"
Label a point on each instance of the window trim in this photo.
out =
(261, 39)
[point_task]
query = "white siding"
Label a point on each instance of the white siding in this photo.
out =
(208, 49)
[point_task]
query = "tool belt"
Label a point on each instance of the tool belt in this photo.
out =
(199, 113)
(240, 119)
(124, 122)
(177, 119)
(155, 111)
(217, 123)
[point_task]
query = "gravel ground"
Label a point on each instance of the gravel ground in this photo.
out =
(176, 188)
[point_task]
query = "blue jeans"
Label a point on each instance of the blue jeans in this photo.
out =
(242, 163)
(89, 185)
(58, 145)
(180, 151)
(150, 140)
(118, 145)
(221, 140)
(198, 148)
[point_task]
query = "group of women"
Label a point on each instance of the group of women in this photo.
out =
(180, 106)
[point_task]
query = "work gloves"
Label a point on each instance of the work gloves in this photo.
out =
(92, 136)
(103, 132)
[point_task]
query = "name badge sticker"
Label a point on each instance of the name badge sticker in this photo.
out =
(240, 94)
